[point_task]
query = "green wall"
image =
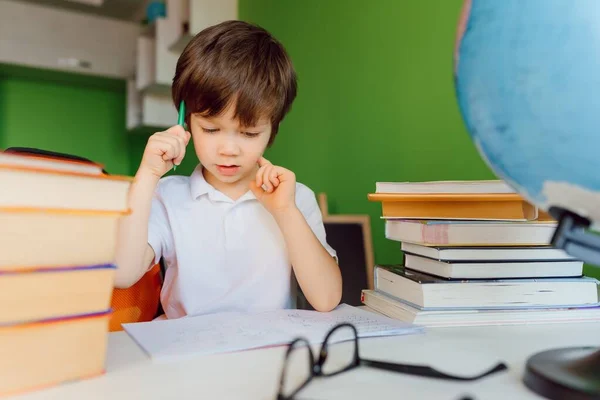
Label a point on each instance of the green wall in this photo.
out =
(375, 102)
(74, 114)
(64, 113)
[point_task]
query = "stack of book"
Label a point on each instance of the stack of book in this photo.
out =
(58, 226)
(475, 253)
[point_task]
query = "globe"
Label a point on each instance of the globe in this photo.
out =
(527, 79)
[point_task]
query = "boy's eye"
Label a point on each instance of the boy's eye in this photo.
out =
(209, 130)
(251, 134)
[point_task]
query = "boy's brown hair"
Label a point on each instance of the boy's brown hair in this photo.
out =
(236, 61)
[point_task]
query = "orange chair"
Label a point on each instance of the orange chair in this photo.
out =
(139, 303)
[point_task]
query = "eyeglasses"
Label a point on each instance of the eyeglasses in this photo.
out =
(299, 355)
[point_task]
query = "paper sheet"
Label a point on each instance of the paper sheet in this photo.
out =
(232, 331)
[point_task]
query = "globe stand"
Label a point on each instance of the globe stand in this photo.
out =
(572, 236)
(568, 373)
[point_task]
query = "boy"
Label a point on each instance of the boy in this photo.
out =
(232, 232)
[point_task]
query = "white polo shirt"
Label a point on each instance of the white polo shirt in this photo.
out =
(222, 255)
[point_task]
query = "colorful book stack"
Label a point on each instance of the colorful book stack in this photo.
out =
(475, 253)
(58, 225)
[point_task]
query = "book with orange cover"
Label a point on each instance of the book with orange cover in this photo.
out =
(459, 206)
(56, 238)
(544, 216)
(31, 295)
(38, 182)
(51, 352)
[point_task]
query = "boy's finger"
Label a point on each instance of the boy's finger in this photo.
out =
(176, 147)
(285, 174)
(182, 144)
(266, 178)
(168, 152)
(259, 177)
(273, 177)
(179, 159)
(171, 148)
(263, 180)
(262, 162)
(178, 130)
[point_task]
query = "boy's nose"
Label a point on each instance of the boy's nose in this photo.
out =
(229, 147)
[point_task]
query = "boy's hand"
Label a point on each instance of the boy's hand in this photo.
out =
(280, 184)
(165, 149)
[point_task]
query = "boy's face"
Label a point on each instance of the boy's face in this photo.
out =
(228, 151)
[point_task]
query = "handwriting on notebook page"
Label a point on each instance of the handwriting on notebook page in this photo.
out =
(233, 331)
(364, 323)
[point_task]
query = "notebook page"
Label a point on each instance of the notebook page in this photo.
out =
(232, 331)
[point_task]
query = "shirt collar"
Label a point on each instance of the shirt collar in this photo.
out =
(199, 187)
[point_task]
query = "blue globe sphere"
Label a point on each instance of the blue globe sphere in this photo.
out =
(527, 78)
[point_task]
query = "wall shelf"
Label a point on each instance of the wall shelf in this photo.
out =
(143, 56)
(193, 16)
(179, 45)
(157, 88)
(148, 109)
(62, 40)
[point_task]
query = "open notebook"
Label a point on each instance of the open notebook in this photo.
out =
(233, 331)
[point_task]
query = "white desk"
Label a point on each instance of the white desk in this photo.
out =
(255, 374)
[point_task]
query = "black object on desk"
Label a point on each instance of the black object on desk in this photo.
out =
(571, 373)
(323, 367)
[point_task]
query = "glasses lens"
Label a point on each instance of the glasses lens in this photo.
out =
(341, 350)
(297, 368)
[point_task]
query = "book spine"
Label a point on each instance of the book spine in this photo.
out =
(458, 210)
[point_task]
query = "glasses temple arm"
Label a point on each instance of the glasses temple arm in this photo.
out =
(421, 370)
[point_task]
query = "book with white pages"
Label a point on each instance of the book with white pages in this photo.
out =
(402, 311)
(487, 253)
(494, 269)
(470, 233)
(445, 187)
(17, 160)
(53, 189)
(426, 290)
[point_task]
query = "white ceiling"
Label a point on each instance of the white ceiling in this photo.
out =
(128, 10)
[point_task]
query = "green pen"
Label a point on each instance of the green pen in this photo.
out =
(180, 121)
